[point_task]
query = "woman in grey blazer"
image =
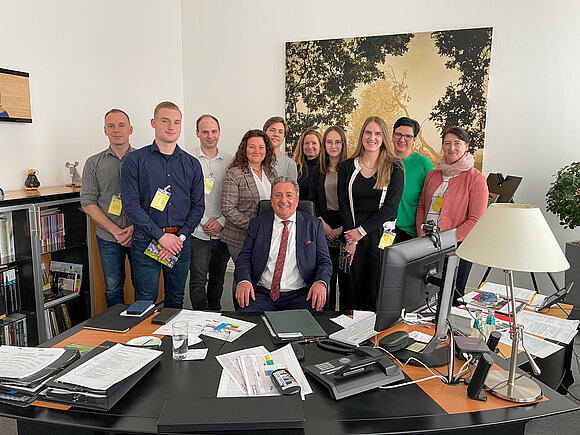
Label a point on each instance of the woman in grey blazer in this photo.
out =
(247, 181)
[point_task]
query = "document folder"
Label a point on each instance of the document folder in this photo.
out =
(81, 397)
(111, 320)
(233, 413)
(291, 325)
(23, 391)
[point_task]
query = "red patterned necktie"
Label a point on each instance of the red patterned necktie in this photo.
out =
(275, 288)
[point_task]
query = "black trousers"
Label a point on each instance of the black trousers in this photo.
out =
(365, 272)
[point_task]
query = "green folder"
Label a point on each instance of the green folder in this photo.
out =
(291, 325)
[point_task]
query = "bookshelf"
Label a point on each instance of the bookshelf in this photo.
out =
(45, 264)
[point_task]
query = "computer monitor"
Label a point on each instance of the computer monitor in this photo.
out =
(411, 273)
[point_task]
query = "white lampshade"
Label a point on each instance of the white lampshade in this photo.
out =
(513, 237)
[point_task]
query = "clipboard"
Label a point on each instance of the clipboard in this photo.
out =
(81, 397)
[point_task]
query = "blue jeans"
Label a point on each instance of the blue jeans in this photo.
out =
(207, 256)
(147, 270)
(113, 264)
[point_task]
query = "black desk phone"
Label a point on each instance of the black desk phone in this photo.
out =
(361, 370)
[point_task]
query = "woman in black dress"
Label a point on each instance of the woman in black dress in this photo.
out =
(370, 185)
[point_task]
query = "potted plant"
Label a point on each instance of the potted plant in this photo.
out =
(563, 199)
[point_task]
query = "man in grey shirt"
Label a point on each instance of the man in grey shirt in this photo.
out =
(208, 253)
(101, 200)
(277, 128)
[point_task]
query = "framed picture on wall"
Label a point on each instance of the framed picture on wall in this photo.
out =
(14, 96)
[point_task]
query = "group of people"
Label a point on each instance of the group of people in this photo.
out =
(203, 209)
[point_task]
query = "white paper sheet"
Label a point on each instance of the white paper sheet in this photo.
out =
(195, 354)
(210, 324)
(557, 329)
(357, 315)
(109, 367)
(536, 346)
(228, 388)
(20, 362)
(231, 365)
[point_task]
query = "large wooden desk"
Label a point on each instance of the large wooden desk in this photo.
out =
(407, 409)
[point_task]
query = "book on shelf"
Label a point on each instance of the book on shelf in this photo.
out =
(57, 320)
(52, 230)
(9, 291)
(13, 330)
(7, 251)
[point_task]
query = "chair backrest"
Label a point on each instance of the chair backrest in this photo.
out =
(304, 205)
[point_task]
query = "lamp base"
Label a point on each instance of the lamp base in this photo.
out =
(524, 390)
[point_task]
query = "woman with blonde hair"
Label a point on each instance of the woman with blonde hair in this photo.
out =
(324, 194)
(306, 158)
(247, 181)
(370, 185)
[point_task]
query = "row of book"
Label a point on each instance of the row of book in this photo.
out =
(51, 230)
(57, 320)
(13, 330)
(6, 238)
(10, 301)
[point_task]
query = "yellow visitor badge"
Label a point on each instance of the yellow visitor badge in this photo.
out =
(386, 240)
(207, 185)
(116, 205)
(438, 203)
(160, 199)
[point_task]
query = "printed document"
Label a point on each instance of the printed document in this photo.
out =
(21, 362)
(210, 324)
(257, 370)
(554, 328)
(536, 346)
(110, 367)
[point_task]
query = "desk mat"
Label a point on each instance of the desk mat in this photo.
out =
(452, 398)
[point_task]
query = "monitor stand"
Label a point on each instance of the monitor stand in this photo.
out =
(437, 352)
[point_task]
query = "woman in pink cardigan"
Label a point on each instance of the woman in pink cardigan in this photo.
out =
(454, 195)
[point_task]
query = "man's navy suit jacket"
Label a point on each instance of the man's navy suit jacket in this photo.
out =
(313, 259)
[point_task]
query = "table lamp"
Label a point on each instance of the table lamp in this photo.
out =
(513, 237)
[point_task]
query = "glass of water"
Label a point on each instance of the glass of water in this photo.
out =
(179, 339)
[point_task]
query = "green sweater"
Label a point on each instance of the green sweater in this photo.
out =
(416, 169)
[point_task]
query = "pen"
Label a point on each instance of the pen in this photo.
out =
(308, 340)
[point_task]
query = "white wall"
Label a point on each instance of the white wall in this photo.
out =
(227, 58)
(85, 58)
(233, 66)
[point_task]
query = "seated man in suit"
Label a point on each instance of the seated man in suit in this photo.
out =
(284, 263)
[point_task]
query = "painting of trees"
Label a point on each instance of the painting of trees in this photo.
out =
(321, 77)
(343, 81)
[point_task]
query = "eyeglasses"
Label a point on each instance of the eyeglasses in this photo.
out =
(336, 142)
(408, 137)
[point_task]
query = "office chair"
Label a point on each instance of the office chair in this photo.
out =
(304, 205)
(265, 206)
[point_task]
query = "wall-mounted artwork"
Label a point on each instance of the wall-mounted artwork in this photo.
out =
(438, 78)
(14, 96)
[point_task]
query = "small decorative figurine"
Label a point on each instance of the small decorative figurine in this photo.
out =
(31, 182)
(76, 180)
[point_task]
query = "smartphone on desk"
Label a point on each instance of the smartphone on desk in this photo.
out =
(139, 307)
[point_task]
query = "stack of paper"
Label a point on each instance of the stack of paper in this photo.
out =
(25, 370)
(247, 372)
